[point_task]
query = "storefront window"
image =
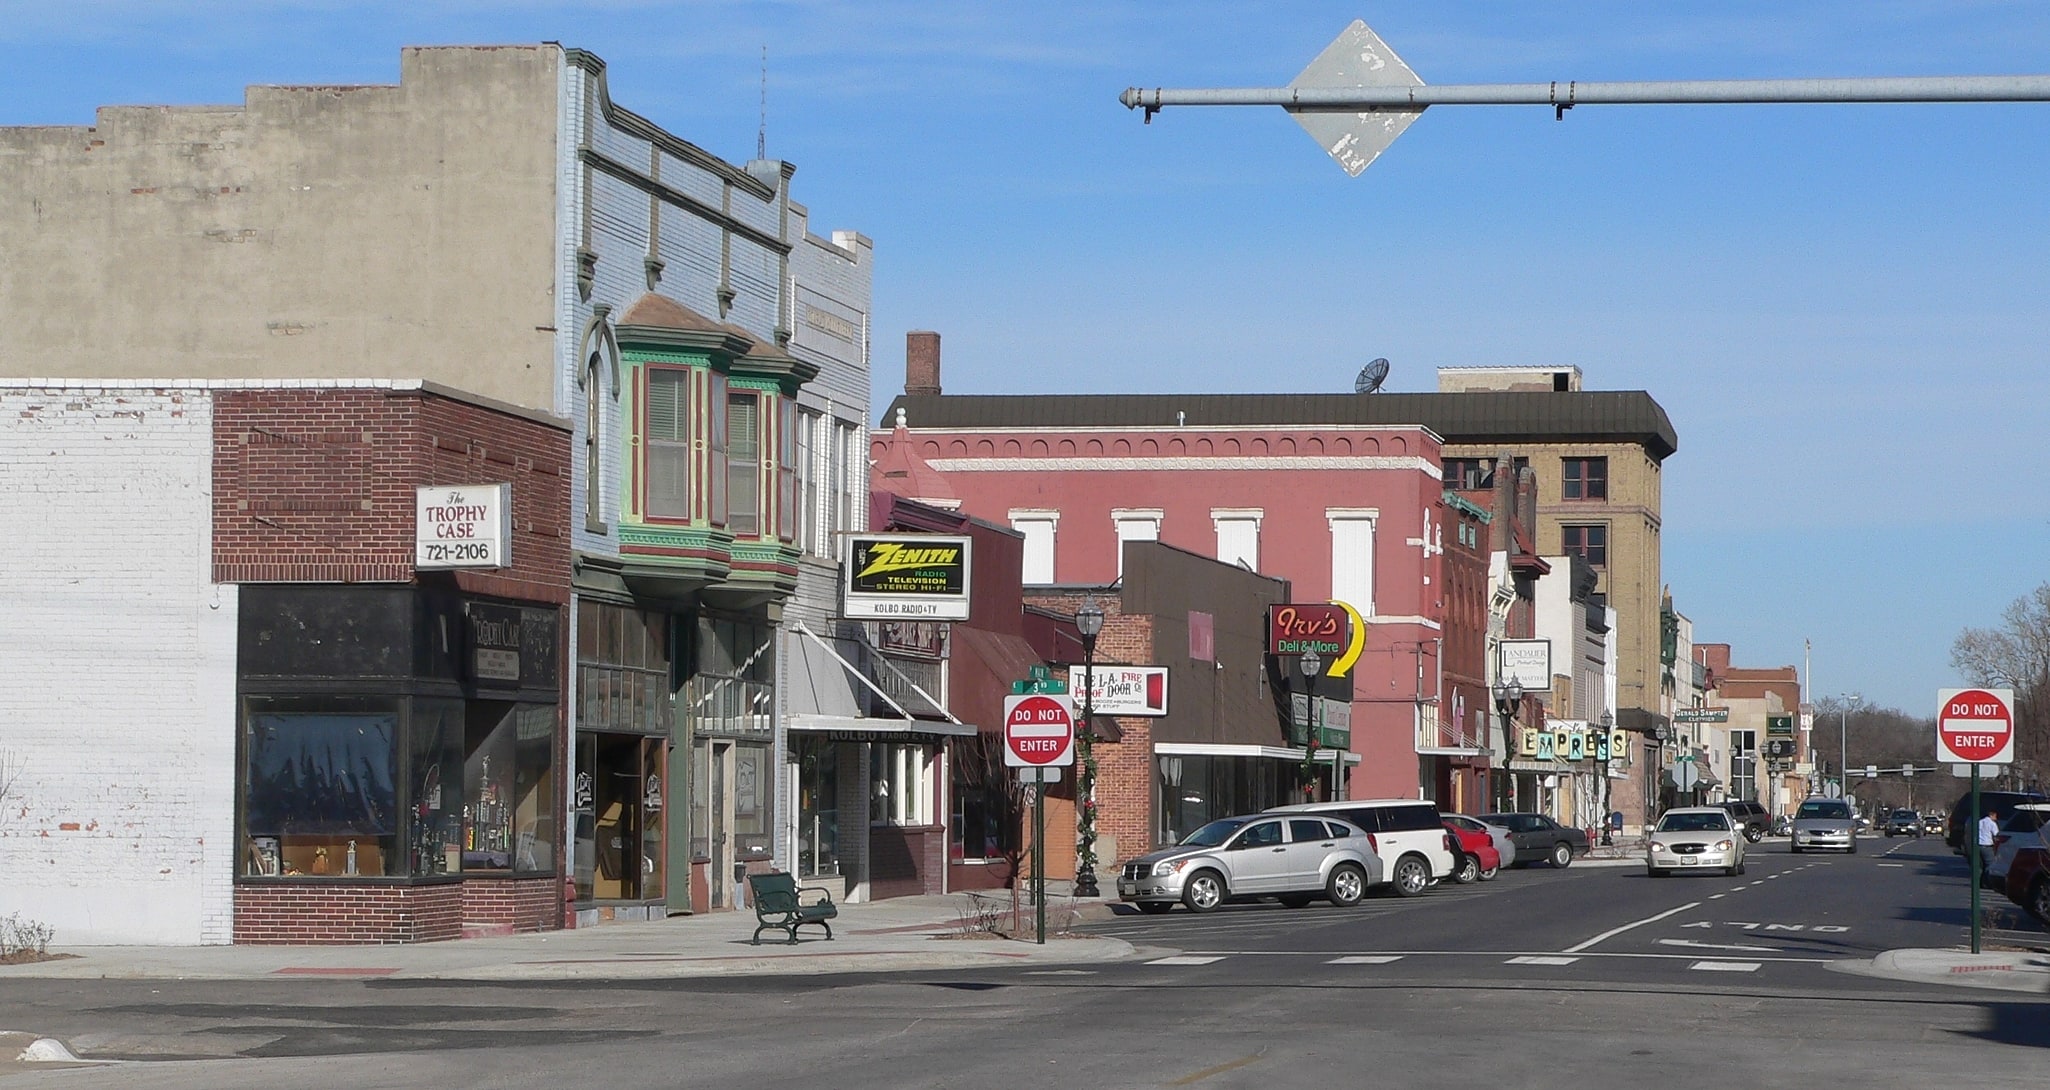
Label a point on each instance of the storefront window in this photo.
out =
(506, 777)
(437, 778)
(320, 789)
(900, 784)
(818, 805)
(620, 793)
(982, 822)
(1196, 789)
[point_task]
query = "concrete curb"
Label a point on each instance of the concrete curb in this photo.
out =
(2008, 971)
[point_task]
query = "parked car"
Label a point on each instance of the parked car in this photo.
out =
(2020, 828)
(1477, 860)
(1409, 834)
(1694, 838)
(1904, 823)
(1958, 830)
(1296, 859)
(2028, 882)
(1539, 837)
(1505, 845)
(1750, 817)
(1824, 823)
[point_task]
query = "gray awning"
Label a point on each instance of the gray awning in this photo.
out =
(847, 728)
(819, 697)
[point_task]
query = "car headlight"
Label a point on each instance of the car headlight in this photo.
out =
(1657, 847)
(1172, 866)
(1722, 845)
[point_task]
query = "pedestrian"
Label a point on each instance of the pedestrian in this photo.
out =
(1989, 827)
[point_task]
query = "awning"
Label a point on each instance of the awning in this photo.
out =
(1279, 753)
(819, 697)
(1450, 751)
(845, 728)
(987, 662)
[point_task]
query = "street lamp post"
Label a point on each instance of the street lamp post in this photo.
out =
(1508, 694)
(1608, 732)
(1088, 622)
(1312, 664)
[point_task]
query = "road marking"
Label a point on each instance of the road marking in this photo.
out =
(1692, 945)
(1540, 959)
(1717, 896)
(1199, 1076)
(1740, 889)
(1062, 972)
(1184, 960)
(1726, 966)
(1365, 959)
(1893, 864)
(1613, 932)
(1325, 955)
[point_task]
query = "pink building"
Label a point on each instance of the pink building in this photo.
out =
(1344, 512)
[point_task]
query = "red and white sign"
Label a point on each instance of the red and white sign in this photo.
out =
(1125, 690)
(1039, 731)
(1975, 726)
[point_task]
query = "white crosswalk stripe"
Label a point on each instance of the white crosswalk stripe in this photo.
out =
(1365, 959)
(1184, 959)
(1537, 959)
(1726, 966)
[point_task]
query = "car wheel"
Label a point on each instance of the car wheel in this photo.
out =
(1562, 854)
(1412, 876)
(1488, 873)
(1155, 908)
(1468, 871)
(1753, 833)
(1295, 900)
(1853, 849)
(1346, 886)
(1204, 891)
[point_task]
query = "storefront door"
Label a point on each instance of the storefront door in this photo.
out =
(721, 828)
(620, 796)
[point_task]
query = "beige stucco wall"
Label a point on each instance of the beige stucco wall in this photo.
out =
(1631, 578)
(385, 231)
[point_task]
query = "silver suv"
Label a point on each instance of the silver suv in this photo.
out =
(1295, 858)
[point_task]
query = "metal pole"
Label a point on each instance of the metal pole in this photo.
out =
(1039, 853)
(1977, 862)
(1566, 94)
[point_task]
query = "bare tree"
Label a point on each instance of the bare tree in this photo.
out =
(2016, 654)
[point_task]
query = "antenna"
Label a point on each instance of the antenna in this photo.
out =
(1371, 377)
(762, 133)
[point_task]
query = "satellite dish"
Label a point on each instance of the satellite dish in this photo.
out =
(1371, 377)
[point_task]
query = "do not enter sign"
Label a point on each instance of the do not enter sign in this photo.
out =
(1039, 731)
(1975, 726)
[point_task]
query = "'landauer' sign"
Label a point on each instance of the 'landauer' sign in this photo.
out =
(900, 577)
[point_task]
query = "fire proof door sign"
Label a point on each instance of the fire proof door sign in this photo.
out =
(1975, 726)
(1039, 731)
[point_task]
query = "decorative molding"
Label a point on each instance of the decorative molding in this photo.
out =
(598, 160)
(1177, 463)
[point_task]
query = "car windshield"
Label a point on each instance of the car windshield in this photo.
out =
(1824, 810)
(1215, 833)
(1694, 823)
(1904, 815)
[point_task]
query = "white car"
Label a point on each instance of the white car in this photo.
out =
(1416, 849)
(2021, 828)
(1697, 838)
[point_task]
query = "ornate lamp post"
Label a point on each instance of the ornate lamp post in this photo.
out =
(1313, 665)
(1608, 735)
(1508, 694)
(1088, 622)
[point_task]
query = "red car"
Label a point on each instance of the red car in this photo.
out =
(2028, 882)
(1476, 855)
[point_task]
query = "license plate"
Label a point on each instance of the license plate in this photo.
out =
(1688, 861)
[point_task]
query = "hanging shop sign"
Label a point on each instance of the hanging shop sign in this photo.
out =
(921, 577)
(462, 526)
(1528, 663)
(1124, 690)
(1701, 715)
(1334, 630)
(1779, 726)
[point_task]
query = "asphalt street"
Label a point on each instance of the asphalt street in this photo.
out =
(1584, 978)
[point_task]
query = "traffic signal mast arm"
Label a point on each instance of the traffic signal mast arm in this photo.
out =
(1571, 93)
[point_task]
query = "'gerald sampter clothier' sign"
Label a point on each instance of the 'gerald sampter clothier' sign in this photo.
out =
(905, 576)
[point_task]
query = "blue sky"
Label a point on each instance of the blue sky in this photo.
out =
(1841, 307)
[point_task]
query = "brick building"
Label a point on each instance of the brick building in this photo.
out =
(340, 745)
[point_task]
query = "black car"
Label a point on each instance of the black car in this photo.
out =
(1539, 837)
(1750, 817)
(1904, 823)
(1960, 828)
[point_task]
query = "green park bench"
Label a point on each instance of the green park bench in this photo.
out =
(778, 903)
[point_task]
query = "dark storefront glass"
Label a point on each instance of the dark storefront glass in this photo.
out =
(321, 788)
(506, 773)
(818, 805)
(437, 749)
(619, 798)
(1195, 790)
(982, 824)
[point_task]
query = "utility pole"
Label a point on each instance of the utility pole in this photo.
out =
(1357, 96)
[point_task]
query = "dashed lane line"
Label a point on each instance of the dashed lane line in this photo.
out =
(1726, 966)
(1365, 959)
(1540, 959)
(1186, 959)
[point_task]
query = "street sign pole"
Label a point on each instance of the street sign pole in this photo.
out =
(1977, 862)
(1039, 862)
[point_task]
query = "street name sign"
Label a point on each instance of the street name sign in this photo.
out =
(1039, 730)
(1975, 726)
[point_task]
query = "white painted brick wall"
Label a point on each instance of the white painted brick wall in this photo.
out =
(118, 654)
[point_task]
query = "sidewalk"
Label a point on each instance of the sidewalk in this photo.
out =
(896, 935)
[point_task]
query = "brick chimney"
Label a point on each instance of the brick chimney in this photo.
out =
(921, 362)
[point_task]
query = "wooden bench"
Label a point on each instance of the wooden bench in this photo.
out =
(779, 902)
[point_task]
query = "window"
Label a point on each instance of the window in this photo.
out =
(810, 467)
(1590, 542)
(320, 788)
(668, 440)
(716, 473)
(1238, 536)
(1134, 525)
(1584, 478)
(787, 462)
(507, 819)
(984, 825)
(594, 436)
(1469, 474)
(900, 784)
(1352, 557)
(850, 478)
(744, 463)
(1038, 528)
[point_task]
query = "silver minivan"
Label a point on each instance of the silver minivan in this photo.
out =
(1825, 823)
